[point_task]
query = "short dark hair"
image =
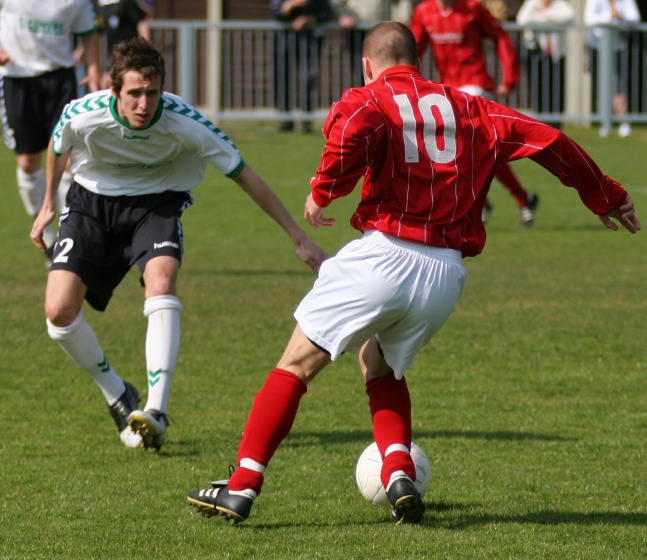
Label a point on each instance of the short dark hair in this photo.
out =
(391, 43)
(136, 54)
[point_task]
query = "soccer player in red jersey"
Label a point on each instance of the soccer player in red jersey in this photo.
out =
(427, 154)
(456, 30)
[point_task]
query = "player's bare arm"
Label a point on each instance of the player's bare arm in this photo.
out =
(4, 57)
(55, 167)
(260, 192)
(625, 215)
(91, 55)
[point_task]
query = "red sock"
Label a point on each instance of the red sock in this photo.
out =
(270, 421)
(390, 406)
(511, 183)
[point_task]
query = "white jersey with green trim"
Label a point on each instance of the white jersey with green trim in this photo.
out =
(111, 158)
(37, 35)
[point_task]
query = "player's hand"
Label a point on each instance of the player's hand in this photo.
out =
(288, 5)
(310, 253)
(44, 218)
(625, 214)
(502, 89)
(314, 214)
(300, 22)
(93, 83)
(347, 22)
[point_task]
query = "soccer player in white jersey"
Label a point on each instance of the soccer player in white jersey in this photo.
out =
(136, 152)
(428, 154)
(38, 79)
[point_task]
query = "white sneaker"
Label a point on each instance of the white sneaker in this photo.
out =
(150, 425)
(604, 132)
(624, 130)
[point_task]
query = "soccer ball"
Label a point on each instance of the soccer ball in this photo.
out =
(369, 465)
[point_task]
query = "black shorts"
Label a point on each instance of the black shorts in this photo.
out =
(33, 106)
(101, 237)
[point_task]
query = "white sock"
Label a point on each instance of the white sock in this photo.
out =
(81, 344)
(32, 192)
(162, 347)
(32, 189)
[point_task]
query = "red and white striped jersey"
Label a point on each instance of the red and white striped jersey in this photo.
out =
(456, 35)
(428, 154)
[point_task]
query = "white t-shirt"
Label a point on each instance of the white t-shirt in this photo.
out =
(37, 34)
(112, 158)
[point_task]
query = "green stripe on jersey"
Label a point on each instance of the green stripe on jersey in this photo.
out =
(79, 106)
(177, 106)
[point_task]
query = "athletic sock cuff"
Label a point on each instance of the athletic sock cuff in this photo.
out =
(288, 374)
(23, 176)
(61, 333)
(157, 303)
(389, 378)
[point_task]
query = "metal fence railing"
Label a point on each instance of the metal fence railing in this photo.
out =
(263, 70)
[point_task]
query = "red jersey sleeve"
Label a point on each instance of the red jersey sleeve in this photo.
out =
(352, 133)
(521, 136)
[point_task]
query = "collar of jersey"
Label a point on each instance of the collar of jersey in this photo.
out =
(113, 110)
(401, 68)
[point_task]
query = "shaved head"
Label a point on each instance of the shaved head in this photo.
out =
(389, 44)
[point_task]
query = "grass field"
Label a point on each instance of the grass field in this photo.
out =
(530, 404)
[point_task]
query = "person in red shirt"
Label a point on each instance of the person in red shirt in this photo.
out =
(456, 30)
(427, 154)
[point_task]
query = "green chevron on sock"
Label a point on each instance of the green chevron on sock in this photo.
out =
(154, 377)
(104, 366)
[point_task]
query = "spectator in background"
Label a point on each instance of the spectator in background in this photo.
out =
(37, 66)
(639, 38)
(297, 53)
(545, 53)
(498, 8)
(352, 12)
(122, 20)
(617, 13)
(456, 31)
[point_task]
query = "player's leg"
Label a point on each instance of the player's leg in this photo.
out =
(390, 406)
(346, 305)
(512, 184)
(66, 325)
(27, 104)
(31, 185)
(158, 243)
(270, 421)
(79, 272)
(527, 202)
(162, 309)
(275, 408)
(433, 288)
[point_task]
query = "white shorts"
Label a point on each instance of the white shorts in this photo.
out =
(475, 90)
(400, 291)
